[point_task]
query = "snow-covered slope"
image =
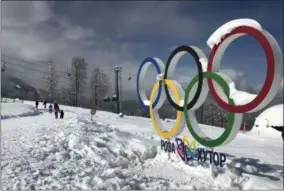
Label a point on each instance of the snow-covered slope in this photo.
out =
(273, 116)
(110, 152)
(12, 110)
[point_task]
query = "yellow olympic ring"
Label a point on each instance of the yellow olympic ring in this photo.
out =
(175, 92)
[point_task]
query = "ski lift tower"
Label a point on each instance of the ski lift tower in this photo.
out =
(117, 71)
(117, 97)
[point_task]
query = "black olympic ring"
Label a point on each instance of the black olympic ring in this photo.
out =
(193, 53)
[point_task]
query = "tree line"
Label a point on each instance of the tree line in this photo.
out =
(73, 92)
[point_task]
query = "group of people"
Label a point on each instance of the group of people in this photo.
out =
(56, 109)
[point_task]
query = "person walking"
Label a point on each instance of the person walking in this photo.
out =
(44, 104)
(61, 114)
(36, 104)
(50, 108)
(56, 109)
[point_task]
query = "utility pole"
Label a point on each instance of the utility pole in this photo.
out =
(76, 84)
(96, 92)
(120, 90)
(0, 84)
(51, 82)
(118, 87)
(117, 71)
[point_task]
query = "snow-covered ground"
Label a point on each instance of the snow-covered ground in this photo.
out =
(271, 116)
(39, 152)
(12, 110)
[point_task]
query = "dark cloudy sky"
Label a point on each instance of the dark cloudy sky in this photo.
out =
(109, 33)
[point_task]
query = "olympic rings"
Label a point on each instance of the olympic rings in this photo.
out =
(273, 57)
(218, 42)
(233, 125)
(179, 124)
(141, 76)
(171, 65)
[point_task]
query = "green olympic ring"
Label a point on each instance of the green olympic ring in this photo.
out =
(206, 141)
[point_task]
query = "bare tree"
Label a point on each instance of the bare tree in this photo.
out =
(51, 86)
(99, 87)
(64, 96)
(43, 94)
(77, 79)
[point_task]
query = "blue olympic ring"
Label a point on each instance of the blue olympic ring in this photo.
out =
(152, 61)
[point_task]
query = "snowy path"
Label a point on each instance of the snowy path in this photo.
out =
(40, 152)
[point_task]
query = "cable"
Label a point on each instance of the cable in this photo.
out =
(32, 62)
(24, 61)
(26, 74)
(26, 67)
(45, 80)
(35, 64)
(18, 65)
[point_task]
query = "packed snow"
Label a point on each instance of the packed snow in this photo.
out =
(111, 152)
(272, 116)
(11, 110)
(226, 28)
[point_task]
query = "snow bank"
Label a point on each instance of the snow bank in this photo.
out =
(271, 116)
(12, 110)
(80, 154)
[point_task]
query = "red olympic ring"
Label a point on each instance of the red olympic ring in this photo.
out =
(269, 75)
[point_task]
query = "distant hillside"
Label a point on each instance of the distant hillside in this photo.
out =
(14, 87)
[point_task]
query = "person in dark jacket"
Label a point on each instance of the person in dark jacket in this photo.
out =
(279, 128)
(61, 114)
(56, 110)
(44, 104)
(36, 104)
(50, 108)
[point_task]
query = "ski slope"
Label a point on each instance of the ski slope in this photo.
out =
(39, 152)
